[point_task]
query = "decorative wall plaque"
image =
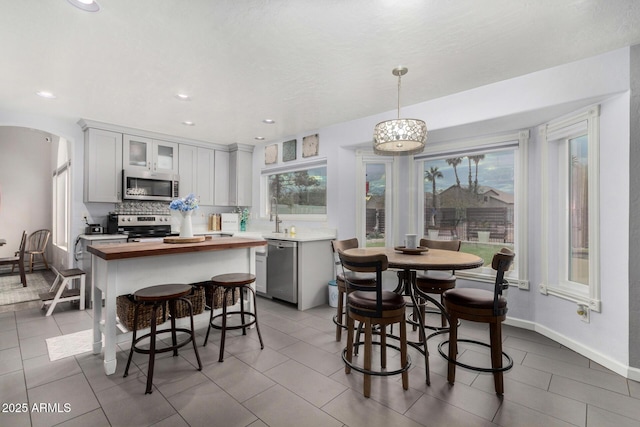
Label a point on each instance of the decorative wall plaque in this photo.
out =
(270, 154)
(310, 145)
(289, 150)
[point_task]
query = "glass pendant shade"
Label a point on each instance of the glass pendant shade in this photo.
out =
(399, 136)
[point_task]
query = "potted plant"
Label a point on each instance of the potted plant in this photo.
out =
(485, 233)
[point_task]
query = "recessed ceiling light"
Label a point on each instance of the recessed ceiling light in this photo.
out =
(46, 94)
(183, 97)
(86, 5)
(188, 123)
(268, 121)
(260, 138)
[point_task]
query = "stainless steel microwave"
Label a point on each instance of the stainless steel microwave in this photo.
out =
(144, 185)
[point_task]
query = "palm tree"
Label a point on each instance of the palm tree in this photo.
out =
(476, 160)
(455, 161)
(431, 175)
(470, 182)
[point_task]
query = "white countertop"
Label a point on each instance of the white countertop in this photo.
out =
(300, 237)
(92, 237)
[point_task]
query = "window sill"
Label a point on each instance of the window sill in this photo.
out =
(578, 298)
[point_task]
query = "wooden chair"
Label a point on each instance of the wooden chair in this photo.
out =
(372, 306)
(435, 281)
(480, 305)
(360, 279)
(18, 259)
(37, 246)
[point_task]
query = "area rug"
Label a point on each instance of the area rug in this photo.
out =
(12, 291)
(70, 344)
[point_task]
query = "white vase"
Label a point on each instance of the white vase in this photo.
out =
(186, 230)
(434, 234)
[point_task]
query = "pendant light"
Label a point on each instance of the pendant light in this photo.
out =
(399, 136)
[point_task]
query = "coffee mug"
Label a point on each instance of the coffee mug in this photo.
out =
(411, 241)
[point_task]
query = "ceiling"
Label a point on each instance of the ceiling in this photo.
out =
(306, 64)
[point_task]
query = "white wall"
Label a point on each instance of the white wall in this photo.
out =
(25, 184)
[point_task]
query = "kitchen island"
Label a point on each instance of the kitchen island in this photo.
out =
(120, 269)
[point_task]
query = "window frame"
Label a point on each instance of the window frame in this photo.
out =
(519, 141)
(362, 159)
(561, 131)
(264, 190)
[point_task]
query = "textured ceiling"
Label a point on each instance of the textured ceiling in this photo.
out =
(304, 63)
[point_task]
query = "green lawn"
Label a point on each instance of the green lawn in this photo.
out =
(484, 250)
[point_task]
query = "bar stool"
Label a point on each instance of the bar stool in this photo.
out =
(157, 296)
(59, 293)
(230, 282)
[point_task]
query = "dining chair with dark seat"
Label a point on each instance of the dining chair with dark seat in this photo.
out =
(480, 305)
(363, 279)
(18, 259)
(436, 281)
(37, 245)
(373, 306)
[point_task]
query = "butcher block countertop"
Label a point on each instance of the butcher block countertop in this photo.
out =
(144, 249)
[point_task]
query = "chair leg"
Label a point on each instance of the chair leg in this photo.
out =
(495, 333)
(152, 350)
(23, 276)
(403, 354)
(442, 315)
(367, 356)
(350, 333)
(193, 333)
(57, 297)
(44, 259)
(31, 256)
(339, 315)
(453, 349)
(133, 339)
(383, 346)
(224, 325)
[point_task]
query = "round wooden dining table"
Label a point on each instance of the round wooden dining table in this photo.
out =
(408, 262)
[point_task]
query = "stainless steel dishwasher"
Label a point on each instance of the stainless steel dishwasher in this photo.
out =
(282, 270)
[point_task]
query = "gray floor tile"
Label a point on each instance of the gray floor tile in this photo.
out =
(602, 418)
(552, 352)
(40, 327)
(238, 379)
(596, 396)
(71, 395)
(206, 404)
(11, 360)
(600, 379)
(8, 322)
(276, 339)
(353, 409)
(129, 406)
(8, 339)
(512, 414)
(262, 360)
(634, 388)
(14, 391)
(305, 382)
(317, 359)
(40, 370)
(93, 368)
(34, 347)
(173, 421)
(325, 341)
(95, 418)
(280, 407)
(430, 411)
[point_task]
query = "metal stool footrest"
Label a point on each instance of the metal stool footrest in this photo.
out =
(358, 368)
(335, 320)
(246, 324)
(162, 350)
(475, 368)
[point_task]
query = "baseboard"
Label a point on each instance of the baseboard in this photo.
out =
(613, 365)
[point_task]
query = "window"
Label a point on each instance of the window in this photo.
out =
(570, 209)
(60, 193)
(473, 191)
(296, 192)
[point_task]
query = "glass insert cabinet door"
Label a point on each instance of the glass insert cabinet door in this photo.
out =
(150, 155)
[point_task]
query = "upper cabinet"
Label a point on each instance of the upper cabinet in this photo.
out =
(148, 154)
(197, 173)
(221, 180)
(103, 166)
(240, 174)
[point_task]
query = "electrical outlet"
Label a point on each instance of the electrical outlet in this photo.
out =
(583, 311)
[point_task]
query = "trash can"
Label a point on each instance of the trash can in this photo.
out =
(333, 293)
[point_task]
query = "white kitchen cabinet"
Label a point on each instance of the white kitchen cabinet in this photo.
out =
(261, 272)
(103, 166)
(221, 178)
(148, 154)
(240, 174)
(196, 169)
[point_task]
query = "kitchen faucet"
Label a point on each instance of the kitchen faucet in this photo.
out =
(274, 202)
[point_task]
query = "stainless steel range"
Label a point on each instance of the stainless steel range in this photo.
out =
(140, 227)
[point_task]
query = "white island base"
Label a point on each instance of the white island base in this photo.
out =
(115, 276)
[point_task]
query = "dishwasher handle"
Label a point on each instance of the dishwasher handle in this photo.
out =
(282, 244)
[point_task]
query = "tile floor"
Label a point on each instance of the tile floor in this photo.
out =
(298, 379)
